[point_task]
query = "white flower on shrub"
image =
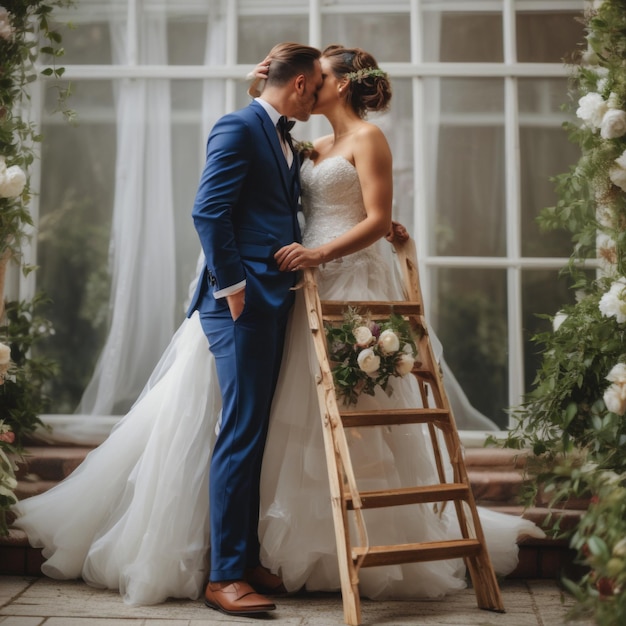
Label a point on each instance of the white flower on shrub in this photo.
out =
(5, 354)
(604, 215)
(388, 342)
(617, 173)
(363, 336)
(591, 110)
(613, 101)
(615, 399)
(613, 124)
(368, 361)
(557, 320)
(6, 30)
(12, 180)
(617, 374)
(5, 360)
(613, 302)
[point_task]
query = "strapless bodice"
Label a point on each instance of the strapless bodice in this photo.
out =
(332, 201)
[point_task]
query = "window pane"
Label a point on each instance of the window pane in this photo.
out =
(258, 35)
(386, 37)
(545, 152)
(544, 37)
(186, 40)
(543, 292)
(77, 187)
(86, 43)
(468, 37)
(467, 209)
(470, 319)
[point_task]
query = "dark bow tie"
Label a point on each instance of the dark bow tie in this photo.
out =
(284, 126)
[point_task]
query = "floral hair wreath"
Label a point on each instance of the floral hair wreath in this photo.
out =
(366, 72)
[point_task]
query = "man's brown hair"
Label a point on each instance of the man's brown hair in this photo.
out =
(287, 60)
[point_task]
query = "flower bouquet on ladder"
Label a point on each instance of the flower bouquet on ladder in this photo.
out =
(365, 353)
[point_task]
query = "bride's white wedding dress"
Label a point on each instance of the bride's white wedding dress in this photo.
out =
(134, 515)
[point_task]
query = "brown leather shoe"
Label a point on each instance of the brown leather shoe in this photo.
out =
(264, 581)
(236, 597)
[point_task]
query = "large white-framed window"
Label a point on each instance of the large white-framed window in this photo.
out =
(475, 129)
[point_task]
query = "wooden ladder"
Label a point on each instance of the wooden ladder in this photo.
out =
(435, 412)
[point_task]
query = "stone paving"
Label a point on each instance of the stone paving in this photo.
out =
(26, 601)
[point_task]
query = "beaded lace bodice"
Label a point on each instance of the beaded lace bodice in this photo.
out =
(332, 201)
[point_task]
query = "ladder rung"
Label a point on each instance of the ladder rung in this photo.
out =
(416, 552)
(411, 495)
(333, 310)
(352, 419)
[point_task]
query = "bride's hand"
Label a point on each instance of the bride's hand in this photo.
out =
(257, 75)
(397, 233)
(296, 257)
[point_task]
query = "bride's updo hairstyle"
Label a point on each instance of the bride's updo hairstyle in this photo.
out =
(368, 87)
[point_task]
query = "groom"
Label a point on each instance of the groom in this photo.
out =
(245, 210)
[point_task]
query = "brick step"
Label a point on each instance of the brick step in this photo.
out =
(496, 476)
(50, 463)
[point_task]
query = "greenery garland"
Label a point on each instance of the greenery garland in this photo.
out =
(574, 420)
(25, 34)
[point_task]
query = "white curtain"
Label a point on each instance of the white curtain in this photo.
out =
(142, 250)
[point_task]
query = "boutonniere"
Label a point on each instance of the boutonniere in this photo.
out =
(305, 150)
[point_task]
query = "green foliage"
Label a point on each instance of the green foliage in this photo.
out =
(29, 20)
(25, 37)
(600, 540)
(7, 474)
(73, 245)
(574, 419)
(358, 337)
(21, 396)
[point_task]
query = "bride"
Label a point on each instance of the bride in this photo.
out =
(134, 515)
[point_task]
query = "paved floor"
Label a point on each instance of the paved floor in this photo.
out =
(41, 601)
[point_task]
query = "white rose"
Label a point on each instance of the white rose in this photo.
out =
(617, 374)
(13, 182)
(612, 303)
(388, 342)
(604, 215)
(613, 101)
(615, 399)
(404, 364)
(591, 109)
(363, 336)
(5, 354)
(368, 361)
(558, 319)
(6, 30)
(613, 124)
(618, 177)
(621, 160)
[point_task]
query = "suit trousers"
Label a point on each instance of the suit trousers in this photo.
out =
(248, 353)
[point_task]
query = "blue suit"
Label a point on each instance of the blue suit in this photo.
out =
(245, 210)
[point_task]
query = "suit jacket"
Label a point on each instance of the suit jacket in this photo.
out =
(245, 210)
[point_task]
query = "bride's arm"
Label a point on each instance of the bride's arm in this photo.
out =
(372, 159)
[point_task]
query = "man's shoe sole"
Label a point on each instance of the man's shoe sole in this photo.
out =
(221, 609)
